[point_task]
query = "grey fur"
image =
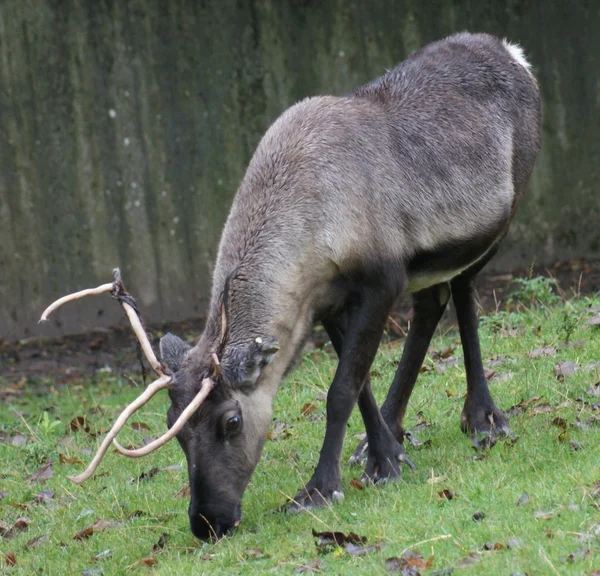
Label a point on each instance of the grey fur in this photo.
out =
(413, 177)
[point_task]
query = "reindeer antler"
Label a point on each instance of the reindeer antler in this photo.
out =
(165, 380)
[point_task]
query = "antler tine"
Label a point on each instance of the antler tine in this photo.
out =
(206, 387)
(117, 290)
(163, 382)
(75, 296)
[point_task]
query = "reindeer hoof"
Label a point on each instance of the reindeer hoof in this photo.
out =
(487, 421)
(313, 498)
(386, 466)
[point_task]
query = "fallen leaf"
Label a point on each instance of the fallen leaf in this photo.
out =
(564, 369)
(140, 426)
(446, 494)
(560, 423)
(539, 352)
(523, 499)
(92, 572)
(279, 429)
(104, 554)
(493, 546)
(357, 484)
(443, 354)
(577, 555)
(514, 543)
(543, 408)
(327, 539)
(479, 515)
(357, 551)
(594, 389)
(313, 567)
(575, 445)
(79, 423)
(44, 496)
(408, 564)
(594, 321)
(98, 526)
(543, 515)
(469, 560)
(19, 440)
(161, 543)
(145, 476)
(184, 491)
(35, 542)
(20, 525)
(489, 374)
(518, 408)
(148, 561)
(255, 553)
(11, 559)
(63, 459)
(308, 408)
(41, 475)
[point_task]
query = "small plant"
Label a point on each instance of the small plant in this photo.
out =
(534, 291)
(46, 425)
(569, 319)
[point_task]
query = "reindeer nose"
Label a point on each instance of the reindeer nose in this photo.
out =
(209, 527)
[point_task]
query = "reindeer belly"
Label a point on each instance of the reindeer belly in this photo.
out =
(440, 264)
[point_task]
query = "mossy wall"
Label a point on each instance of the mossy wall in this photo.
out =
(126, 126)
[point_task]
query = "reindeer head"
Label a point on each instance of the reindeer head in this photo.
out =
(218, 414)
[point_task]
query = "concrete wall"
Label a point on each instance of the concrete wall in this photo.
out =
(126, 126)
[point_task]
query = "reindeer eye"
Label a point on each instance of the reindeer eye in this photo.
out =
(233, 424)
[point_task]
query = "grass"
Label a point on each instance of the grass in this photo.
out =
(550, 533)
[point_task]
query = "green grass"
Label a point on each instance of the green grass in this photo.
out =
(408, 514)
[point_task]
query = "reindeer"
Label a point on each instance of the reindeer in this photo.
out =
(407, 184)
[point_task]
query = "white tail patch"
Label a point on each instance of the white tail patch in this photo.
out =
(517, 53)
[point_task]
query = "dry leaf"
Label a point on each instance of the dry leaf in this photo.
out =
(44, 496)
(329, 539)
(35, 542)
(594, 321)
(539, 352)
(20, 525)
(79, 423)
(357, 484)
(313, 567)
(560, 423)
(148, 561)
(564, 369)
(11, 559)
(98, 526)
(445, 494)
(145, 476)
(63, 459)
(19, 440)
(308, 408)
(469, 560)
(161, 543)
(479, 515)
(184, 491)
(41, 475)
(140, 426)
(357, 551)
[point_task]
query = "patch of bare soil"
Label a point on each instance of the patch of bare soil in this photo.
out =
(83, 357)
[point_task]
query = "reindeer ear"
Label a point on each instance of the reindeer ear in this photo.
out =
(172, 351)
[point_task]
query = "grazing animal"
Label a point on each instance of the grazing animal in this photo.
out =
(407, 184)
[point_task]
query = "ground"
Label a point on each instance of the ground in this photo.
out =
(528, 505)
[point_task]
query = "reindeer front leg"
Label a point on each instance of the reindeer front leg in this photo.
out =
(366, 317)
